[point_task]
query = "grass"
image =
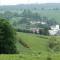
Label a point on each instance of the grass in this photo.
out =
(38, 49)
(35, 43)
(28, 57)
(21, 57)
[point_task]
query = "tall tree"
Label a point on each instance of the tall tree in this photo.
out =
(7, 38)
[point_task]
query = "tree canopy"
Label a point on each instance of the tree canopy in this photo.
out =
(7, 38)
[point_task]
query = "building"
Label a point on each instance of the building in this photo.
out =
(35, 30)
(54, 29)
(37, 22)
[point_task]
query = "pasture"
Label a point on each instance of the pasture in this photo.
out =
(38, 48)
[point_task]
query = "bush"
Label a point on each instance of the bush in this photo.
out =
(49, 58)
(54, 44)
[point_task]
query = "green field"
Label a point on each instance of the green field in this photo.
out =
(28, 57)
(38, 48)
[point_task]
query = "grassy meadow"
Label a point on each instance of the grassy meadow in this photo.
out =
(38, 48)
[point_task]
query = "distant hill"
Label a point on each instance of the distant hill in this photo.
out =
(31, 6)
(48, 11)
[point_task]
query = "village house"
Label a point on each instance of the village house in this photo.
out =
(37, 22)
(34, 30)
(54, 30)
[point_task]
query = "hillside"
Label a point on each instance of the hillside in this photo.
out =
(38, 49)
(50, 11)
(37, 43)
(13, 12)
(31, 24)
(31, 6)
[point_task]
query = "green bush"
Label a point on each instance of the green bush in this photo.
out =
(54, 44)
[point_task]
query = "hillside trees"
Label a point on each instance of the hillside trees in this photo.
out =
(7, 38)
(52, 22)
(26, 13)
(44, 29)
(30, 14)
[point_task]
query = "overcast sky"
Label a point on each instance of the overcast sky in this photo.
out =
(14, 2)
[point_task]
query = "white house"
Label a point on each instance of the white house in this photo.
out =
(54, 27)
(54, 30)
(43, 22)
(37, 22)
(34, 22)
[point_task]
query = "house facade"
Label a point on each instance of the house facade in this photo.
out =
(54, 30)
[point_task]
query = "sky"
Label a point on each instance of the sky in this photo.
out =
(14, 2)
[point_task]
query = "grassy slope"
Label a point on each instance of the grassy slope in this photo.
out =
(38, 48)
(35, 43)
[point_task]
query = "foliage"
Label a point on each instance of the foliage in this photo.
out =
(54, 44)
(49, 58)
(7, 38)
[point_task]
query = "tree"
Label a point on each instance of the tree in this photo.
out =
(44, 29)
(8, 14)
(27, 13)
(7, 38)
(52, 22)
